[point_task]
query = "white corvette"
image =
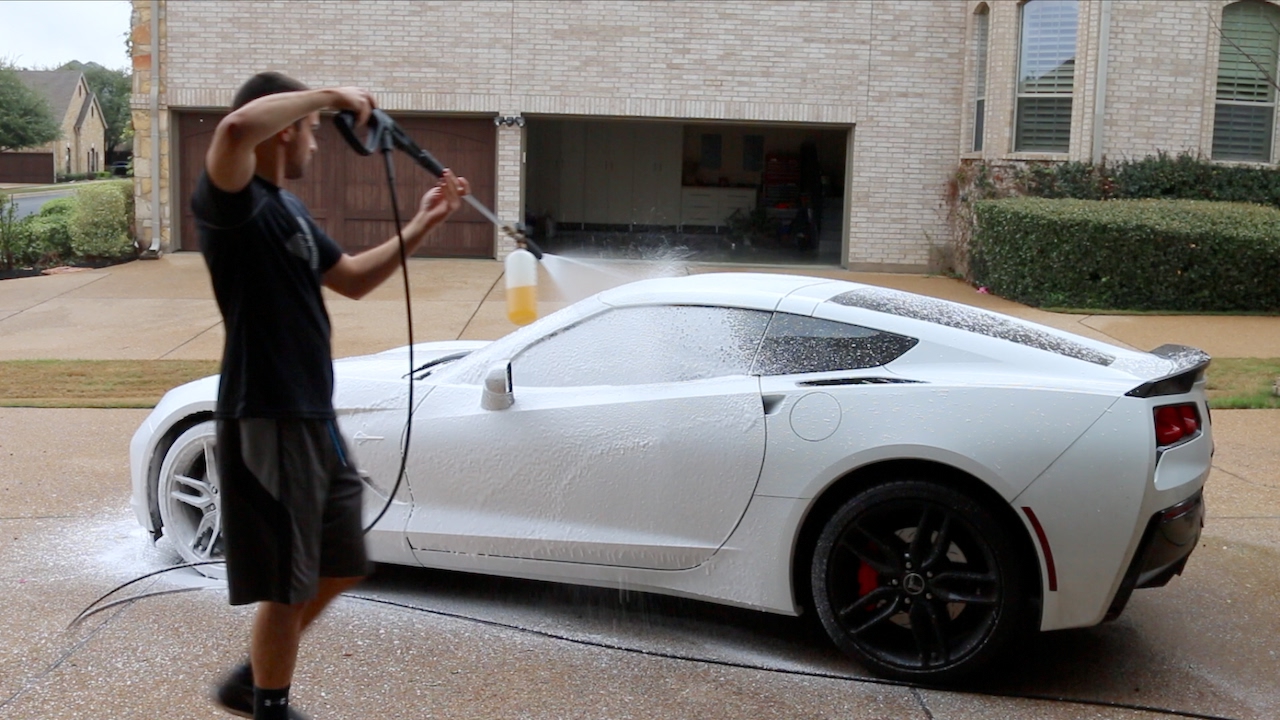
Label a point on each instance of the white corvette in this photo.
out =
(928, 478)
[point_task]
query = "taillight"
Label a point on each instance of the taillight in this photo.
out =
(1175, 422)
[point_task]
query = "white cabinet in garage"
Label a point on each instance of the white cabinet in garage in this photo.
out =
(573, 165)
(617, 173)
(713, 205)
(608, 177)
(655, 170)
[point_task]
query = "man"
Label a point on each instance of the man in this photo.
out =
(291, 499)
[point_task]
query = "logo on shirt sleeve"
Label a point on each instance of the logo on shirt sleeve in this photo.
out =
(303, 245)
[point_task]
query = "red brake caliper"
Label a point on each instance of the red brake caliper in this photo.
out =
(868, 579)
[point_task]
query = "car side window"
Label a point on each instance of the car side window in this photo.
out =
(797, 344)
(643, 345)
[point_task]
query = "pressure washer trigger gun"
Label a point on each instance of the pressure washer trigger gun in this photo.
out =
(384, 134)
(346, 124)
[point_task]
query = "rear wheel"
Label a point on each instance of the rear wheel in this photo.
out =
(190, 500)
(917, 581)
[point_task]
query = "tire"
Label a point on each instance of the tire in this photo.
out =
(932, 611)
(189, 500)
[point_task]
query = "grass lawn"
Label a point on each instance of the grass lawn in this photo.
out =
(1242, 383)
(95, 383)
(1234, 383)
(32, 189)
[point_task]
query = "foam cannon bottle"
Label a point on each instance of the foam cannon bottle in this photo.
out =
(522, 287)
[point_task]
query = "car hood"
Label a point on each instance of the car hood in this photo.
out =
(393, 364)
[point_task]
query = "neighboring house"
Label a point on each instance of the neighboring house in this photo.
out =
(666, 115)
(82, 146)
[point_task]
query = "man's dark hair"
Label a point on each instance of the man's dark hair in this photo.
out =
(263, 84)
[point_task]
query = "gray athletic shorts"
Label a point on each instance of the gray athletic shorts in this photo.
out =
(291, 508)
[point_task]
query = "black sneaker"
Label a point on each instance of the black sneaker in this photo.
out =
(235, 694)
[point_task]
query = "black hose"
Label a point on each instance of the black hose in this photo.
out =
(408, 311)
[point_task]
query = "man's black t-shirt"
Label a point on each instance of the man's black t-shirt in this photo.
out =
(266, 257)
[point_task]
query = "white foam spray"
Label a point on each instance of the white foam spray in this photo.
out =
(576, 278)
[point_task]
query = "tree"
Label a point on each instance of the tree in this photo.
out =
(113, 88)
(25, 118)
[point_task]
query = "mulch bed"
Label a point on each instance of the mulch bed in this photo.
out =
(76, 267)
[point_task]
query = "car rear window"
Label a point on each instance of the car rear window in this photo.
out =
(974, 320)
(795, 344)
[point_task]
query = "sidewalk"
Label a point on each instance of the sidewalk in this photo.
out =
(150, 309)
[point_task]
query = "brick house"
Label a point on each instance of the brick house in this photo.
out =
(665, 116)
(82, 145)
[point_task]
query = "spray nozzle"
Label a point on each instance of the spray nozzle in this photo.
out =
(517, 233)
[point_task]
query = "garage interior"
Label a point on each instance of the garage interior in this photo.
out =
(702, 192)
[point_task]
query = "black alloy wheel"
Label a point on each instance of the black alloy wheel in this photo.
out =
(917, 581)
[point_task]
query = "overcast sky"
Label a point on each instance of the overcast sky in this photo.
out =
(46, 34)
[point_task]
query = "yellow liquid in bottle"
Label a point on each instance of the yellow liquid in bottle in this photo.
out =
(522, 304)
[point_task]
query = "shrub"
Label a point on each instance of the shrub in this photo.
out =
(17, 246)
(74, 177)
(9, 230)
(1184, 176)
(58, 206)
(1181, 255)
(50, 236)
(101, 220)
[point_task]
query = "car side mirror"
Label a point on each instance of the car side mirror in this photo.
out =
(497, 388)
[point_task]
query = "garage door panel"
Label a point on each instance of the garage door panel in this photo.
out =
(457, 239)
(348, 195)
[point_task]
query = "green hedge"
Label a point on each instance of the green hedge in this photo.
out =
(1180, 255)
(1183, 176)
(101, 219)
(77, 177)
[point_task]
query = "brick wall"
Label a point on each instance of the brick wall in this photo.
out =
(894, 71)
(756, 61)
(1159, 77)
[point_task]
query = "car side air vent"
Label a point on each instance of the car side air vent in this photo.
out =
(856, 381)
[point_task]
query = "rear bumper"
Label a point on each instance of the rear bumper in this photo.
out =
(1168, 541)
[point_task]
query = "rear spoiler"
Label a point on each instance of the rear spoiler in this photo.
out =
(1189, 366)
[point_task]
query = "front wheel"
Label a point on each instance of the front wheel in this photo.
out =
(190, 500)
(917, 581)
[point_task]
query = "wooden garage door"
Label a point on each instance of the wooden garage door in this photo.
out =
(26, 167)
(348, 194)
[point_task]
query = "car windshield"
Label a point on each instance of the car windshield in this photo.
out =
(474, 370)
(972, 319)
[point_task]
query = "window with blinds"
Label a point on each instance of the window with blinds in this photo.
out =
(981, 31)
(1244, 115)
(1046, 76)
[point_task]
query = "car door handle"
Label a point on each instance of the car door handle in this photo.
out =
(360, 438)
(772, 403)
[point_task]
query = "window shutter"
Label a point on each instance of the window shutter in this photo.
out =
(981, 31)
(1046, 76)
(1247, 61)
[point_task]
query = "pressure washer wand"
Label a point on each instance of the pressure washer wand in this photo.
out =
(385, 133)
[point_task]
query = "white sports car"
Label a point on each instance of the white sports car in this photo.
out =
(927, 477)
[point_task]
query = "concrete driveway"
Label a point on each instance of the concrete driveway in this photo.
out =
(428, 644)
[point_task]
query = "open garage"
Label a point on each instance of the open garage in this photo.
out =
(721, 192)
